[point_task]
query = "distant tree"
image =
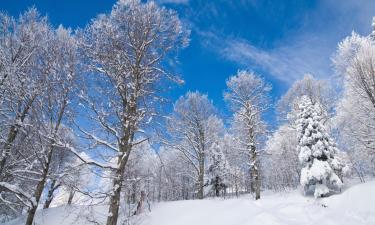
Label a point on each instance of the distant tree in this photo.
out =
(218, 171)
(176, 180)
(283, 168)
(281, 161)
(193, 128)
(316, 90)
(247, 95)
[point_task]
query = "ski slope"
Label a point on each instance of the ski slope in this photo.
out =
(355, 206)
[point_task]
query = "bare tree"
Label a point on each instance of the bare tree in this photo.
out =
(247, 94)
(315, 89)
(193, 128)
(61, 62)
(355, 62)
(126, 51)
(42, 92)
(281, 160)
(22, 41)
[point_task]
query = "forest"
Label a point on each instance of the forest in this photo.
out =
(87, 118)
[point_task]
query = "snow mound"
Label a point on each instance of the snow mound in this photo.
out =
(352, 207)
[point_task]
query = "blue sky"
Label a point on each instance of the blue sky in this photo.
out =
(279, 39)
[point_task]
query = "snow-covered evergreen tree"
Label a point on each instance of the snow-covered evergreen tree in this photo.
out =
(317, 151)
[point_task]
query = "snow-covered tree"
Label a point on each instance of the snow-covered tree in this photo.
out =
(141, 176)
(237, 171)
(37, 91)
(317, 151)
(193, 128)
(22, 43)
(282, 167)
(247, 95)
(218, 171)
(281, 161)
(61, 164)
(54, 105)
(78, 179)
(176, 181)
(354, 62)
(315, 89)
(127, 51)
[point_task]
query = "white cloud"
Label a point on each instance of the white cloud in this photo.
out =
(307, 50)
(286, 63)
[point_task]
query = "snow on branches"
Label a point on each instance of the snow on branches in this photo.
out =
(321, 167)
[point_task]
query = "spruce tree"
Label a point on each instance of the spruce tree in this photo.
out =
(317, 151)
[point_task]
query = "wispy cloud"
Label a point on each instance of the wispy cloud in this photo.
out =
(306, 50)
(286, 62)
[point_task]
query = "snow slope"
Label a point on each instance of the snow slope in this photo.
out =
(355, 206)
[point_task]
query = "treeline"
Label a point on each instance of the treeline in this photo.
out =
(83, 119)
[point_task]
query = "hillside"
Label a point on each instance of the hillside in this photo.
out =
(352, 207)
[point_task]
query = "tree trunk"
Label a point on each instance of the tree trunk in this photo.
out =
(114, 202)
(134, 193)
(255, 179)
(201, 177)
(11, 137)
(14, 129)
(71, 196)
(140, 203)
(217, 188)
(160, 180)
(236, 189)
(257, 184)
(39, 190)
(251, 173)
(53, 187)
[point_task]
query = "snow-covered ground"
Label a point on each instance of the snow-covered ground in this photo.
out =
(355, 206)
